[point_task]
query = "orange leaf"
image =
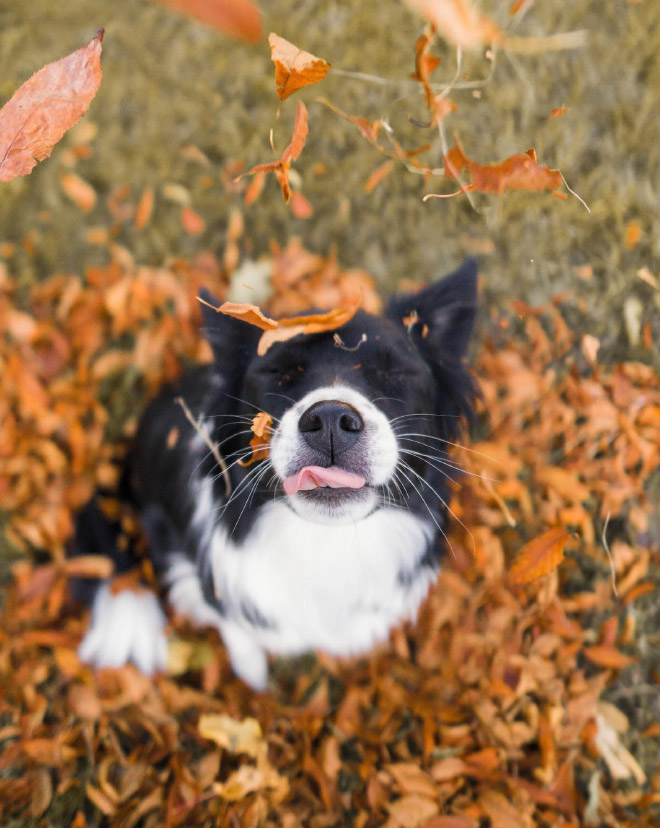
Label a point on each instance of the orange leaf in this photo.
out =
(608, 657)
(560, 110)
(245, 312)
(379, 174)
(89, 566)
(369, 129)
(236, 18)
(300, 207)
(192, 222)
(294, 68)
(144, 209)
(294, 148)
(292, 326)
(519, 172)
(261, 426)
(78, 191)
(45, 107)
(300, 131)
(457, 21)
(540, 556)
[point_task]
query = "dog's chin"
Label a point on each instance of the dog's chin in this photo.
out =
(333, 506)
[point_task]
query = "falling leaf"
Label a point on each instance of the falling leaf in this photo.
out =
(246, 313)
(237, 18)
(646, 276)
(192, 222)
(540, 556)
(282, 166)
(300, 207)
(243, 736)
(294, 326)
(369, 129)
(144, 209)
(379, 174)
(633, 234)
(458, 22)
(261, 426)
(438, 104)
(78, 190)
(294, 68)
(561, 110)
(519, 172)
(45, 107)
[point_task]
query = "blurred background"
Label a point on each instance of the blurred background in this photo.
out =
(181, 105)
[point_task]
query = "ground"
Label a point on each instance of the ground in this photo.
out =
(179, 106)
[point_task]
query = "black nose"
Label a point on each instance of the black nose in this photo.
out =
(331, 427)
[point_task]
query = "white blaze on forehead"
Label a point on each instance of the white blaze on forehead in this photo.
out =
(380, 446)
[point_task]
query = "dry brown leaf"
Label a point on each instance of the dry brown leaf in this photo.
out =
(411, 811)
(608, 657)
(235, 736)
(289, 327)
(411, 779)
(236, 18)
(540, 556)
(518, 172)
(294, 68)
(78, 191)
(45, 107)
(261, 426)
(89, 566)
(459, 22)
(282, 166)
(246, 313)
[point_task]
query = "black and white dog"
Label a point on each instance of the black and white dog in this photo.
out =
(333, 538)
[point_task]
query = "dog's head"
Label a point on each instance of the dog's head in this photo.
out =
(360, 420)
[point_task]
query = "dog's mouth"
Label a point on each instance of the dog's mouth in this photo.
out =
(311, 478)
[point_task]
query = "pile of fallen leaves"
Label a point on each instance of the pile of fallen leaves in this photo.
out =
(492, 710)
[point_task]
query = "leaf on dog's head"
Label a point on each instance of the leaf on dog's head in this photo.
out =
(540, 556)
(279, 330)
(294, 68)
(261, 426)
(245, 312)
(311, 324)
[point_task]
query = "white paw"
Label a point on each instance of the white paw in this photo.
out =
(129, 626)
(248, 659)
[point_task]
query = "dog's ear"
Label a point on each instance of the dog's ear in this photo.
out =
(228, 337)
(441, 317)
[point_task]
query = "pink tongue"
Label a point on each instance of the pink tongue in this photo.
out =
(315, 477)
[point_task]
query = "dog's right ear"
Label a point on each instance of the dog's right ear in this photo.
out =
(230, 339)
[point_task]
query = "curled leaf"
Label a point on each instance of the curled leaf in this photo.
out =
(519, 172)
(261, 427)
(45, 107)
(282, 166)
(245, 312)
(294, 68)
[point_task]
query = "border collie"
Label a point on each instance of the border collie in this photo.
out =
(333, 538)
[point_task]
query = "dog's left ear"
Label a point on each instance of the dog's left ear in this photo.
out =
(445, 312)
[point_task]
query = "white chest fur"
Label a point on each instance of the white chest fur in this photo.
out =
(339, 588)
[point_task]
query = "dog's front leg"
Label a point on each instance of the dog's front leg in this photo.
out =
(248, 659)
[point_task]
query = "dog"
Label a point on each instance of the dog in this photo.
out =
(337, 534)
